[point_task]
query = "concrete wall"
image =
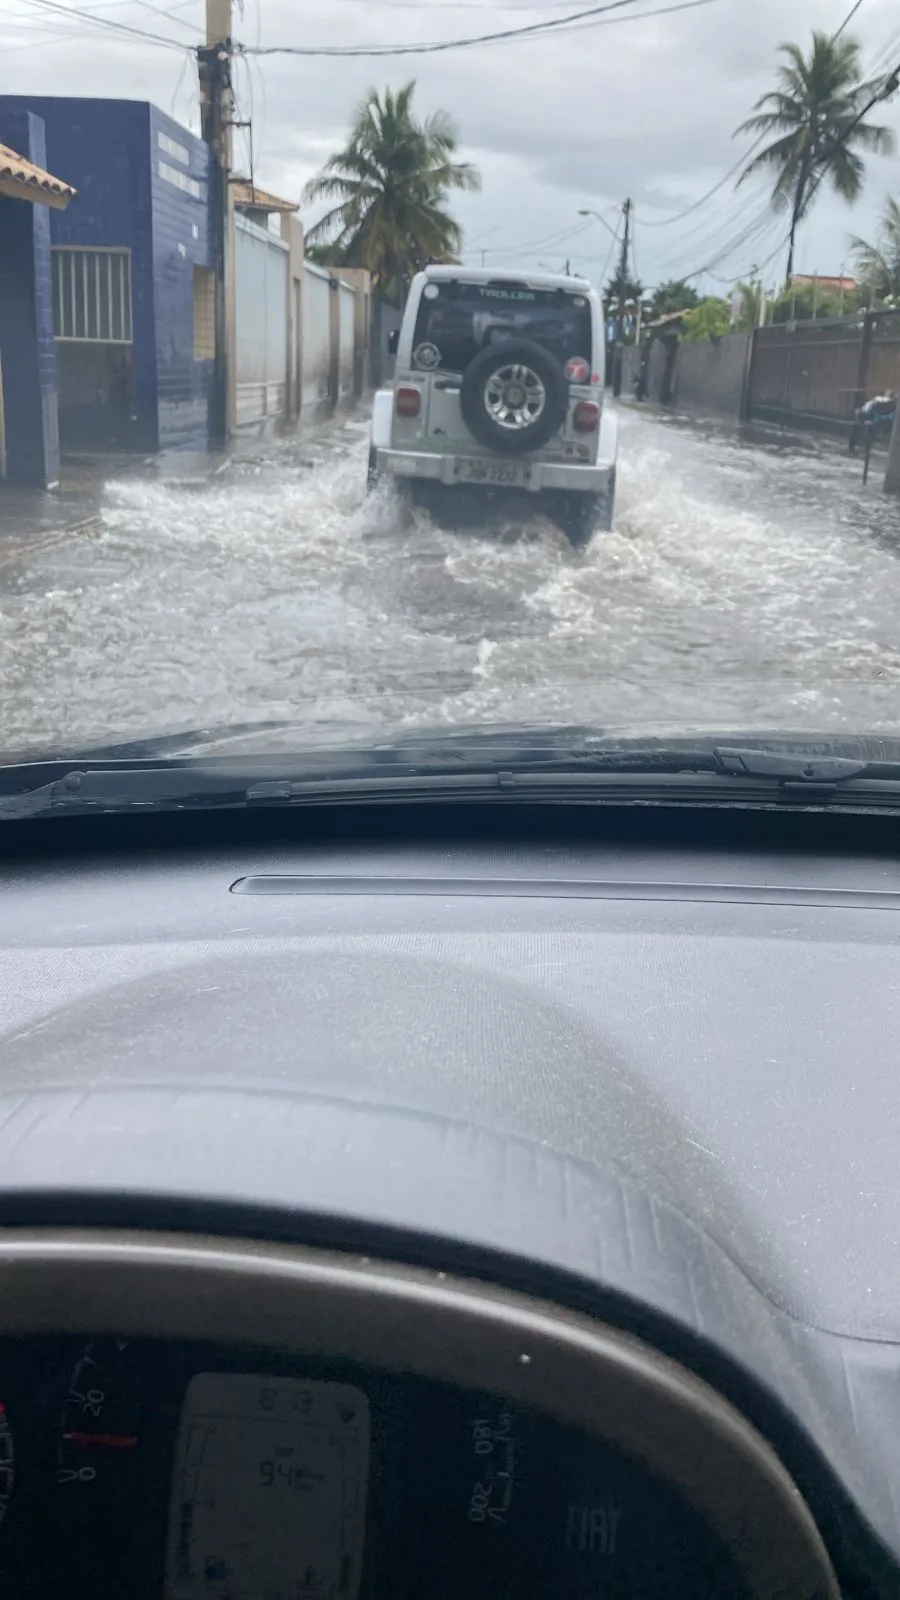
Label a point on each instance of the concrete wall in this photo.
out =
(360, 280)
(261, 301)
(346, 339)
(292, 235)
(709, 377)
(317, 294)
(28, 403)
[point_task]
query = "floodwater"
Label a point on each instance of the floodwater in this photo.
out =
(744, 586)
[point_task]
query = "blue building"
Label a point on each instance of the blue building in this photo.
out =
(29, 437)
(133, 286)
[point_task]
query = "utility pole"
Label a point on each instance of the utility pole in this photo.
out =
(620, 315)
(217, 116)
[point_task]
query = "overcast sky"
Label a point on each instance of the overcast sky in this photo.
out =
(644, 108)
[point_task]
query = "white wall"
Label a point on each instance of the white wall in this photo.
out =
(316, 299)
(347, 326)
(261, 286)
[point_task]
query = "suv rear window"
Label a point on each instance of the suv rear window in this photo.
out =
(459, 319)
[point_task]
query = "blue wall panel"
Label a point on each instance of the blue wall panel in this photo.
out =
(102, 147)
(27, 350)
(181, 242)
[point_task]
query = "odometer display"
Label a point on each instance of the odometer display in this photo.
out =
(269, 1490)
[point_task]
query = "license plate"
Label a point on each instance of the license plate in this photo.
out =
(497, 474)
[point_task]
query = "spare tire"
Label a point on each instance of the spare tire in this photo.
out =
(514, 396)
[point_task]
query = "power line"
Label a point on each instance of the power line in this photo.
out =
(107, 22)
(549, 242)
(534, 29)
(848, 19)
(679, 216)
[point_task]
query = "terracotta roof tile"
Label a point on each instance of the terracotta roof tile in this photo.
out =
(22, 171)
(246, 194)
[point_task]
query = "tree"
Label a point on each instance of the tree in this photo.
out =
(816, 114)
(621, 298)
(674, 295)
(801, 302)
(390, 184)
(711, 319)
(878, 265)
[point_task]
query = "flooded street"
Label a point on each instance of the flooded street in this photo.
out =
(743, 586)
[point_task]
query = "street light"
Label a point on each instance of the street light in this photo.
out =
(585, 212)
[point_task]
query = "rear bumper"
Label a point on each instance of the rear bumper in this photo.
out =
(428, 467)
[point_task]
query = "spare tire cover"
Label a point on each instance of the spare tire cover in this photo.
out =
(514, 396)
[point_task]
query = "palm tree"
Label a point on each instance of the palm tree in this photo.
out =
(817, 112)
(878, 264)
(390, 184)
(673, 295)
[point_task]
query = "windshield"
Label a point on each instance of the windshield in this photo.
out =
(460, 319)
(369, 367)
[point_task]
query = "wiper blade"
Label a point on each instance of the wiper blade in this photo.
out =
(760, 763)
(522, 766)
(124, 789)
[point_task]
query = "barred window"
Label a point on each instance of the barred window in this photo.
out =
(92, 295)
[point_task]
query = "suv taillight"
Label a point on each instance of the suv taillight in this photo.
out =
(586, 417)
(408, 402)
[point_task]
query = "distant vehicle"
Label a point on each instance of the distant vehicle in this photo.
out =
(499, 386)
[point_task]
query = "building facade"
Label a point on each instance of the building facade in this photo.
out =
(29, 436)
(132, 273)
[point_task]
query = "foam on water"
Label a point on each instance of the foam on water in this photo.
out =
(740, 587)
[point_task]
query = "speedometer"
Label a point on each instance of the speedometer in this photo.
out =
(269, 1490)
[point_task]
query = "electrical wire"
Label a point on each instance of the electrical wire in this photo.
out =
(592, 16)
(848, 19)
(549, 242)
(665, 222)
(159, 11)
(107, 22)
(609, 255)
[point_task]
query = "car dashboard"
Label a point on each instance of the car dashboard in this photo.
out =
(370, 1431)
(392, 1219)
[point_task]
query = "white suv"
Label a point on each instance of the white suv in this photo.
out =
(499, 385)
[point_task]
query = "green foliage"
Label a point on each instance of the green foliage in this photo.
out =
(390, 185)
(801, 302)
(878, 265)
(675, 295)
(711, 319)
(814, 117)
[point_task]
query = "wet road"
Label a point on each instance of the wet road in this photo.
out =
(742, 587)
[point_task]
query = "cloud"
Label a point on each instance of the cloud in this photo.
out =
(581, 118)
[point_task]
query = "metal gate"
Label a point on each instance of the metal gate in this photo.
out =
(93, 325)
(816, 374)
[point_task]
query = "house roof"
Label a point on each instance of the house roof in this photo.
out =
(247, 194)
(23, 179)
(824, 282)
(664, 321)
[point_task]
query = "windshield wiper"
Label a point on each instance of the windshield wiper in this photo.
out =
(540, 766)
(787, 768)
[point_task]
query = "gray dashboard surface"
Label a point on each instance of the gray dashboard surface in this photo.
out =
(688, 1094)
